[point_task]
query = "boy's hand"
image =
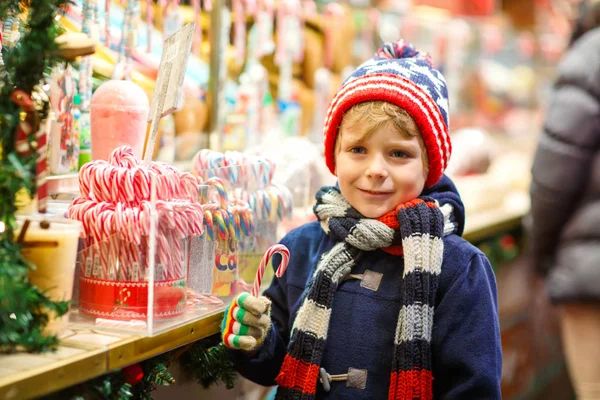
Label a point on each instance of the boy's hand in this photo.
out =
(246, 322)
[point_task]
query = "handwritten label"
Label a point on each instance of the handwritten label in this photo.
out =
(96, 271)
(168, 92)
(88, 266)
(136, 271)
(159, 273)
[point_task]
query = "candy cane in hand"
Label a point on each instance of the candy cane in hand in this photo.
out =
(285, 258)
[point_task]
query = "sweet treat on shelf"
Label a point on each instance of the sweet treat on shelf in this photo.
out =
(116, 209)
(50, 243)
(119, 117)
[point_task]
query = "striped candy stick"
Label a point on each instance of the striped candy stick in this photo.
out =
(219, 185)
(41, 167)
(285, 258)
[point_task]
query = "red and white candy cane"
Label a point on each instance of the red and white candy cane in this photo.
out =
(285, 259)
(41, 167)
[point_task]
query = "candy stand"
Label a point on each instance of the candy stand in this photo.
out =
(150, 173)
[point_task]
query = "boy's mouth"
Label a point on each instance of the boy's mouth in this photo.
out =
(376, 192)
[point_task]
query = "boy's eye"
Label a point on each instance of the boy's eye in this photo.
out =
(358, 150)
(398, 154)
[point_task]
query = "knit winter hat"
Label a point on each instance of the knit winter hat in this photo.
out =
(402, 75)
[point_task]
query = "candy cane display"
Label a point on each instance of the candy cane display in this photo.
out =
(115, 209)
(252, 180)
(285, 258)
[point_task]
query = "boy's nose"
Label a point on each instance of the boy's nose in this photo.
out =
(376, 168)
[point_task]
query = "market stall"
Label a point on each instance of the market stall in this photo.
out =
(165, 146)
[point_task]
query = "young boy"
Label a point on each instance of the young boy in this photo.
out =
(382, 297)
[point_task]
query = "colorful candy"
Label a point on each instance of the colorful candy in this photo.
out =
(247, 178)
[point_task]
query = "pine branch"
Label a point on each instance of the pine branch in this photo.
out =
(209, 363)
(23, 308)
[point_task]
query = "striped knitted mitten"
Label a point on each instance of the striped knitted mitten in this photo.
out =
(246, 323)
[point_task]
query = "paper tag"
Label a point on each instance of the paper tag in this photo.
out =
(88, 266)
(96, 271)
(136, 271)
(168, 92)
(159, 272)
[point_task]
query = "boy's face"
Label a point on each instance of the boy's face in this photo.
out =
(379, 172)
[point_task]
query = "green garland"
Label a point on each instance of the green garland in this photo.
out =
(23, 308)
(206, 360)
(209, 363)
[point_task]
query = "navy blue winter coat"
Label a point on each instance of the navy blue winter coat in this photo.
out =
(466, 351)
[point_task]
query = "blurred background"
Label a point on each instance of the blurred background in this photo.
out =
(259, 81)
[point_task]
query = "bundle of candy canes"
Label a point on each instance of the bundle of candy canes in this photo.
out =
(248, 178)
(115, 210)
(224, 218)
(227, 221)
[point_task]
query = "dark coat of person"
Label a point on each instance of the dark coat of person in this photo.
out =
(565, 188)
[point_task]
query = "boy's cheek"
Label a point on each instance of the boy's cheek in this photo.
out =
(335, 160)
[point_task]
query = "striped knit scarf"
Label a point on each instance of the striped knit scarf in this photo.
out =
(419, 226)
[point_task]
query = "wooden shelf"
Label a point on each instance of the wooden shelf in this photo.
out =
(86, 354)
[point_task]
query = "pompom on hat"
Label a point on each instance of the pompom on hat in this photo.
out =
(404, 76)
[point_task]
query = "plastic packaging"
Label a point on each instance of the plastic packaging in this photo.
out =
(119, 113)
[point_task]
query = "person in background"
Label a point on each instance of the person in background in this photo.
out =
(382, 298)
(565, 202)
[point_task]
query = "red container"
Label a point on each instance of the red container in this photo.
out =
(125, 300)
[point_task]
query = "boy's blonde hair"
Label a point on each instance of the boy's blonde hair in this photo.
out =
(369, 116)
